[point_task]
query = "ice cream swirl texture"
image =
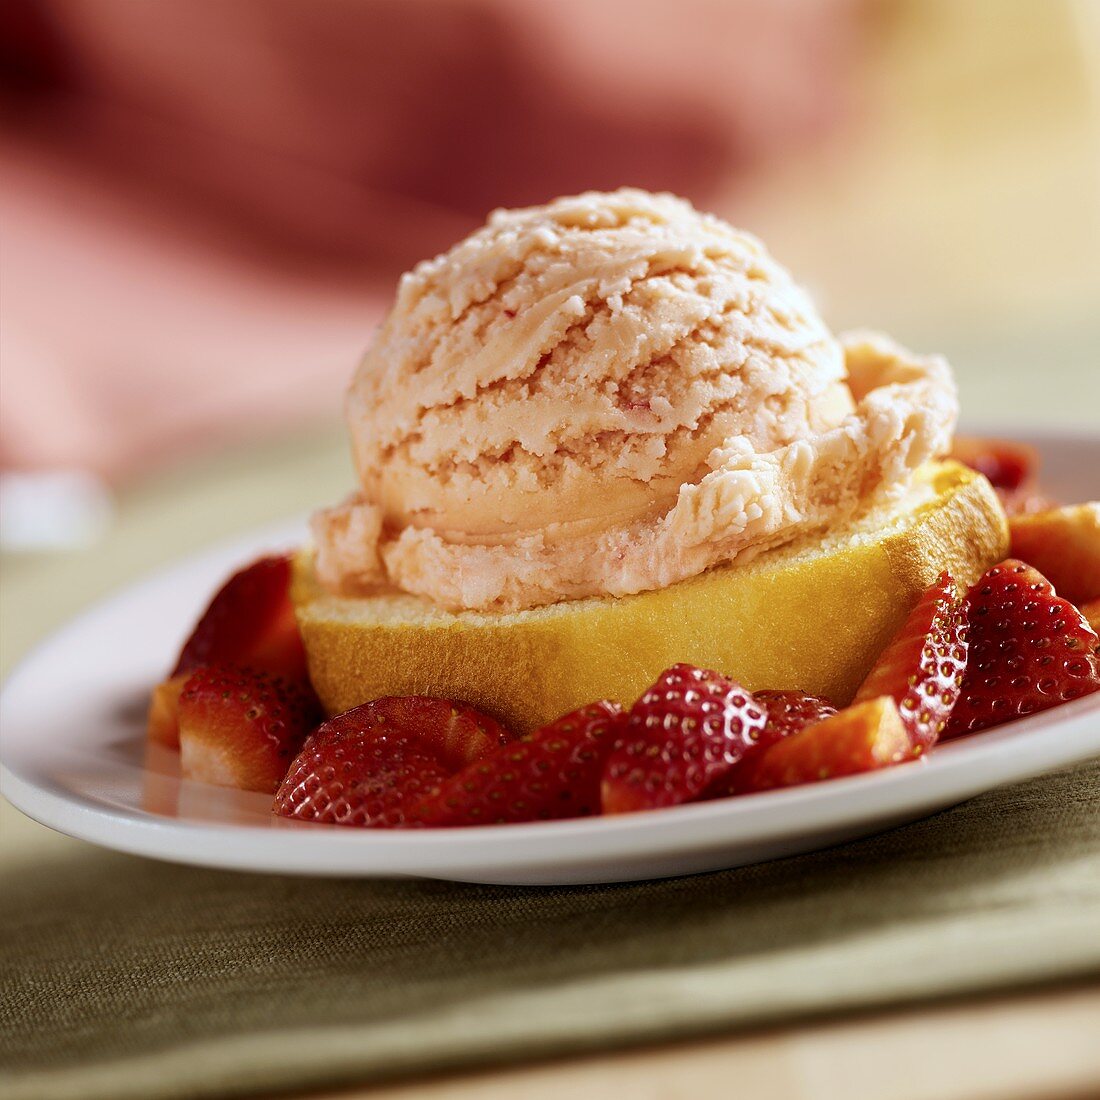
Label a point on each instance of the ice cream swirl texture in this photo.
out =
(609, 394)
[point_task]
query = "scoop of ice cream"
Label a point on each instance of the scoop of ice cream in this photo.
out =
(602, 395)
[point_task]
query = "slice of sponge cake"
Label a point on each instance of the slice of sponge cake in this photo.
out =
(813, 616)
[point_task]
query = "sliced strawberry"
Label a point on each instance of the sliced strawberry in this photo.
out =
(860, 738)
(1064, 545)
(163, 722)
(1011, 468)
(551, 773)
(922, 668)
(788, 713)
(367, 781)
(1029, 650)
(682, 736)
(1008, 466)
(371, 765)
(456, 732)
(242, 728)
(250, 623)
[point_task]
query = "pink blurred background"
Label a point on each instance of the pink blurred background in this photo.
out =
(205, 204)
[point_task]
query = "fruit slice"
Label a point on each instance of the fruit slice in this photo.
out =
(1091, 611)
(682, 736)
(1064, 545)
(242, 728)
(1012, 469)
(922, 668)
(1007, 465)
(250, 623)
(370, 766)
(552, 773)
(788, 713)
(861, 738)
(459, 734)
(163, 722)
(1029, 650)
(364, 781)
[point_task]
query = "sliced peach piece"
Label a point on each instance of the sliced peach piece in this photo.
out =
(1091, 611)
(1064, 545)
(163, 723)
(861, 738)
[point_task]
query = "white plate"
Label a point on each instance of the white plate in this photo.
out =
(73, 758)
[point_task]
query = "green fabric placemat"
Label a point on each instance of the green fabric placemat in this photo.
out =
(126, 978)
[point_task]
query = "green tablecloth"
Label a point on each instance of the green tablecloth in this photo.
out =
(121, 977)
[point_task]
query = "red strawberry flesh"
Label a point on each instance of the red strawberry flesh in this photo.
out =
(371, 765)
(457, 733)
(1010, 467)
(682, 736)
(250, 623)
(242, 728)
(1029, 650)
(922, 668)
(552, 773)
(343, 779)
(788, 712)
(1007, 465)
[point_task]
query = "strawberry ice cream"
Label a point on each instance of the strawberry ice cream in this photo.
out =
(605, 395)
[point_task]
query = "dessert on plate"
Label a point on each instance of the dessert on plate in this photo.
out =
(632, 528)
(608, 434)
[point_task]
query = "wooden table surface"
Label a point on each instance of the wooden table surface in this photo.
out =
(1033, 1046)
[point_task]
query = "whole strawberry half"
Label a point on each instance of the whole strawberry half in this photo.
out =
(788, 712)
(242, 728)
(371, 765)
(552, 773)
(249, 622)
(682, 736)
(922, 668)
(1029, 650)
